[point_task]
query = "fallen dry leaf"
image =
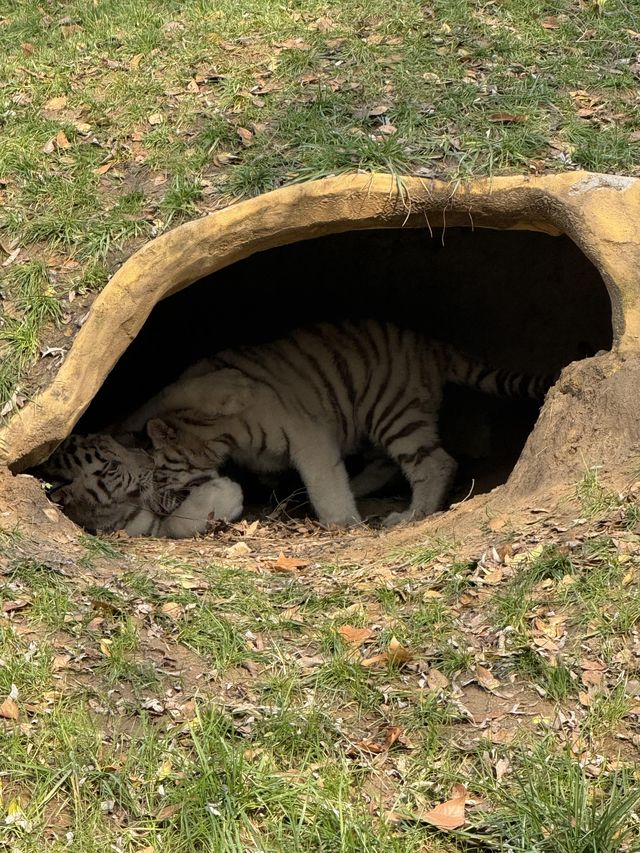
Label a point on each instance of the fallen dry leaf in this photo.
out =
(354, 636)
(592, 665)
(18, 604)
(592, 677)
(507, 118)
(240, 549)
(375, 659)
(287, 564)
(224, 158)
(82, 127)
(501, 768)
(293, 44)
(585, 699)
(60, 662)
(375, 747)
(486, 678)
(245, 135)
(493, 577)
(393, 734)
(168, 811)
(55, 104)
(173, 610)
(323, 25)
(436, 680)
(172, 27)
(61, 140)
(102, 170)
(9, 710)
(448, 815)
(188, 710)
(378, 110)
(396, 653)
(372, 112)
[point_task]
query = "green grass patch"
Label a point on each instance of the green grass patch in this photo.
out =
(215, 637)
(129, 117)
(554, 807)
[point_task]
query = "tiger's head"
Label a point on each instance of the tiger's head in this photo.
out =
(97, 481)
(180, 456)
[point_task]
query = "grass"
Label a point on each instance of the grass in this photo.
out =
(172, 703)
(176, 703)
(136, 116)
(594, 498)
(122, 659)
(215, 637)
(29, 288)
(555, 807)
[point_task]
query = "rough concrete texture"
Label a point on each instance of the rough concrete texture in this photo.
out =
(592, 413)
(591, 418)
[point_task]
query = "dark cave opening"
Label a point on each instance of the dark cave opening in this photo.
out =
(522, 300)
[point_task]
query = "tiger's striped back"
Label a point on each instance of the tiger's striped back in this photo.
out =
(311, 398)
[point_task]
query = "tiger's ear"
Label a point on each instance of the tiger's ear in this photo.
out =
(160, 432)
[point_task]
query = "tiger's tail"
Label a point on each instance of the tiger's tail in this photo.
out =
(500, 382)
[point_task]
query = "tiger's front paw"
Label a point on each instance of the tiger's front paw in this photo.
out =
(226, 500)
(340, 523)
(396, 518)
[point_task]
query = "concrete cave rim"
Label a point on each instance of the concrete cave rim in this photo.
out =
(594, 211)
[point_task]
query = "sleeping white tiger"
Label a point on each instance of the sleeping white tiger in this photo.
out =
(311, 398)
(103, 485)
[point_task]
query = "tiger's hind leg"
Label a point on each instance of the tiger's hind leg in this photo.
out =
(426, 465)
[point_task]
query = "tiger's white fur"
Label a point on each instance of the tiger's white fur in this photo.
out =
(309, 399)
(103, 485)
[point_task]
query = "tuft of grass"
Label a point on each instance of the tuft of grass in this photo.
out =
(557, 681)
(424, 555)
(181, 199)
(97, 546)
(122, 660)
(607, 711)
(344, 680)
(29, 287)
(594, 498)
(554, 807)
(215, 637)
(514, 603)
(27, 666)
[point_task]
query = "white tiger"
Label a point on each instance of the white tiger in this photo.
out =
(310, 399)
(103, 485)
